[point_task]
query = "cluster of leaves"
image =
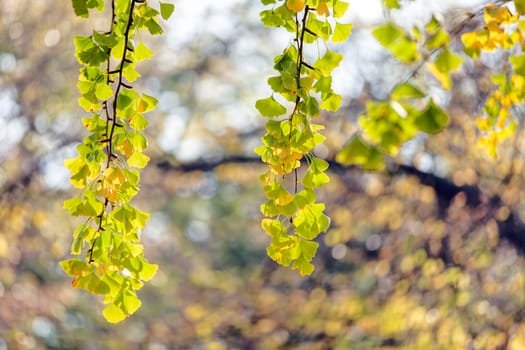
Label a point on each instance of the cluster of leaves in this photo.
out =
(503, 30)
(111, 259)
(293, 217)
(386, 125)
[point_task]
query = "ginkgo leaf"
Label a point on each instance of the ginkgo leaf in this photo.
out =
(130, 302)
(340, 8)
(146, 103)
(357, 152)
(80, 7)
(520, 6)
(328, 62)
(138, 160)
(387, 34)
(432, 120)
(518, 64)
(331, 102)
(341, 32)
(113, 314)
(166, 9)
(406, 91)
(148, 271)
(442, 77)
(269, 107)
(447, 61)
(142, 52)
(322, 9)
(392, 4)
(103, 92)
(295, 5)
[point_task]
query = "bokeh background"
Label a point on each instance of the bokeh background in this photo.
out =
(425, 255)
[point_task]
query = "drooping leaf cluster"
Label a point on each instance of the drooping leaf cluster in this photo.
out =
(388, 124)
(110, 258)
(301, 89)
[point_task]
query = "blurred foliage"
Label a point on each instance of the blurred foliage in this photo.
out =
(411, 261)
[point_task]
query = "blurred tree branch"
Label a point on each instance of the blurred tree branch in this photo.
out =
(510, 228)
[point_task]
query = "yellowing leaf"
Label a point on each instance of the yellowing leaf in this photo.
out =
(341, 32)
(142, 52)
(322, 9)
(295, 5)
(130, 302)
(113, 314)
(146, 103)
(148, 271)
(103, 92)
(340, 8)
(443, 78)
(138, 160)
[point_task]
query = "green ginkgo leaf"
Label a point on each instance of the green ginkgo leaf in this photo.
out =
(432, 120)
(269, 107)
(166, 10)
(357, 152)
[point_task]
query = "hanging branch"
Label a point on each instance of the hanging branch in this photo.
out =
(293, 218)
(111, 259)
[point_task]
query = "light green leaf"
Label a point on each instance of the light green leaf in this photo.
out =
(269, 107)
(391, 4)
(273, 227)
(142, 52)
(147, 103)
(130, 73)
(148, 271)
(387, 34)
(404, 50)
(340, 8)
(166, 10)
(92, 283)
(130, 302)
(153, 26)
(103, 92)
(75, 267)
(113, 314)
(310, 106)
(357, 152)
(341, 32)
(328, 62)
(304, 266)
(138, 160)
(331, 102)
(437, 40)
(518, 64)
(448, 61)
(138, 122)
(406, 91)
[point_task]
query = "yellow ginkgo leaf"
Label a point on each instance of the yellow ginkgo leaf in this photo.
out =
(443, 78)
(322, 9)
(295, 5)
